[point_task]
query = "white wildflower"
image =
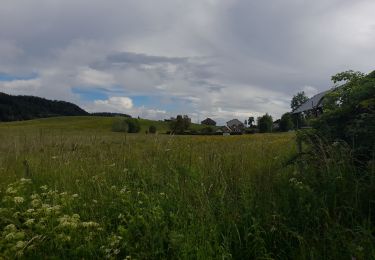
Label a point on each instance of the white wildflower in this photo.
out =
(90, 224)
(18, 200)
(34, 196)
(11, 190)
(23, 180)
(29, 222)
(20, 244)
(10, 227)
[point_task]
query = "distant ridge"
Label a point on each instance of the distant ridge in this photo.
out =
(109, 114)
(16, 108)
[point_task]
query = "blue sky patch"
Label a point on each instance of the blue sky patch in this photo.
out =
(90, 94)
(8, 77)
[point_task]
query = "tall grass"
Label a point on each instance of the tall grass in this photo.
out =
(112, 195)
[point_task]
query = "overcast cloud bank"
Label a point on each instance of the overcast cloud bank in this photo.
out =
(222, 59)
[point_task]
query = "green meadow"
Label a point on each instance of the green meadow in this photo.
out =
(70, 188)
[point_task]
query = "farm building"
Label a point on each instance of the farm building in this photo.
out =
(276, 124)
(313, 106)
(235, 125)
(225, 129)
(208, 121)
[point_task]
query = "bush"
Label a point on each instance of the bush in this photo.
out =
(134, 125)
(126, 125)
(120, 125)
(286, 122)
(208, 130)
(152, 129)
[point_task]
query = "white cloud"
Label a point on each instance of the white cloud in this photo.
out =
(125, 105)
(91, 77)
(19, 87)
(118, 104)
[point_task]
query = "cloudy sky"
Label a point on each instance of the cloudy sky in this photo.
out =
(206, 58)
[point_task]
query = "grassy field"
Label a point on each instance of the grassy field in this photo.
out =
(71, 188)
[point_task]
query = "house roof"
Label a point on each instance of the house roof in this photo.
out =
(314, 102)
(208, 120)
(234, 122)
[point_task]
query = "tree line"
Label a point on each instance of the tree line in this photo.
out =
(15, 108)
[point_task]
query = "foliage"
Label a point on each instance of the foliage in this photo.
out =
(299, 120)
(134, 125)
(349, 113)
(180, 124)
(109, 114)
(152, 129)
(286, 122)
(250, 121)
(14, 108)
(208, 130)
(120, 125)
(298, 100)
(265, 123)
(127, 125)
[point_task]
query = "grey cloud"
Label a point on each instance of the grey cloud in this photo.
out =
(142, 59)
(215, 56)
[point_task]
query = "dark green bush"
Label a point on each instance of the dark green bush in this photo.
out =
(208, 130)
(134, 125)
(120, 125)
(152, 129)
(286, 122)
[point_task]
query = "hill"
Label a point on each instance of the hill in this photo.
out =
(82, 124)
(15, 108)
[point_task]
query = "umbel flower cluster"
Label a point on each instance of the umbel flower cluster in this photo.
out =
(41, 221)
(32, 219)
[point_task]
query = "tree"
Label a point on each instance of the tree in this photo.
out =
(265, 123)
(180, 124)
(286, 122)
(245, 122)
(250, 121)
(349, 113)
(298, 100)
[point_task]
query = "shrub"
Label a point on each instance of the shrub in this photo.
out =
(152, 129)
(134, 125)
(286, 122)
(120, 125)
(208, 130)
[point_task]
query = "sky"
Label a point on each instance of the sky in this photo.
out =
(155, 59)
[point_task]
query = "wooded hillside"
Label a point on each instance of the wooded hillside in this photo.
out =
(14, 108)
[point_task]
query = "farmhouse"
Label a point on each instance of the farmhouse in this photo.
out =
(313, 106)
(235, 125)
(208, 121)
